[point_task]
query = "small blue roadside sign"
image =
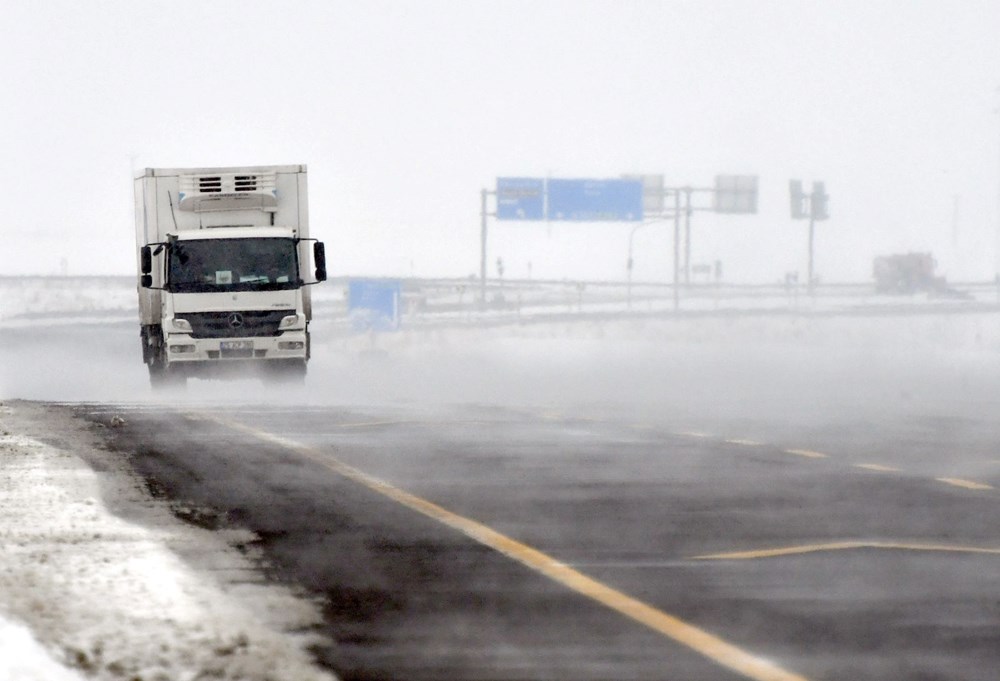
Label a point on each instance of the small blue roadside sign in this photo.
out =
(595, 200)
(373, 304)
(520, 198)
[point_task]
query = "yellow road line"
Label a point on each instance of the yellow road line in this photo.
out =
(372, 424)
(693, 433)
(712, 647)
(876, 467)
(843, 546)
(744, 442)
(967, 484)
(808, 453)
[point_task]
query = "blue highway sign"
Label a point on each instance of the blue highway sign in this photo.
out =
(595, 200)
(373, 305)
(520, 198)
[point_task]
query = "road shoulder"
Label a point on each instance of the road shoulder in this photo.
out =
(112, 584)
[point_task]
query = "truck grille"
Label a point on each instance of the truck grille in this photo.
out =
(237, 324)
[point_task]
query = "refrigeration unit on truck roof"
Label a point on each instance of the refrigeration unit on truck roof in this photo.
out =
(215, 191)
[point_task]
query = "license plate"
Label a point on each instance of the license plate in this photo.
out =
(236, 345)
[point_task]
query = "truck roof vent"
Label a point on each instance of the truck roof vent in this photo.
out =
(227, 191)
(209, 184)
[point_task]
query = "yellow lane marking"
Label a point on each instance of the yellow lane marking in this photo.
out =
(348, 424)
(693, 433)
(843, 546)
(967, 484)
(876, 467)
(372, 424)
(744, 442)
(712, 647)
(808, 453)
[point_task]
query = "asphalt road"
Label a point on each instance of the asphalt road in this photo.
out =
(722, 498)
(481, 542)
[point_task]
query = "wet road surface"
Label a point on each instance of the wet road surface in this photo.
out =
(474, 542)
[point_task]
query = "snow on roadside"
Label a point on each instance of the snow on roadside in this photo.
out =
(23, 659)
(108, 598)
(92, 296)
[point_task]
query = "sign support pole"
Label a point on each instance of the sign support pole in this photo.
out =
(677, 254)
(817, 201)
(687, 236)
(812, 230)
(482, 248)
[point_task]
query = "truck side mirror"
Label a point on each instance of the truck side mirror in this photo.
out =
(319, 256)
(146, 260)
(146, 281)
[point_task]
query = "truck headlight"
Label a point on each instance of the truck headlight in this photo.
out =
(182, 325)
(290, 321)
(181, 348)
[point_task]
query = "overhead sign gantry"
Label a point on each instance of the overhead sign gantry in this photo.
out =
(630, 198)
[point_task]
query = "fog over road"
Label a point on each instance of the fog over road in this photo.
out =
(704, 499)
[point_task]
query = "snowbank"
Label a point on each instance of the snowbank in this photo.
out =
(112, 599)
(22, 658)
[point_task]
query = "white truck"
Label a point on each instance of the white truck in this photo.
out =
(225, 262)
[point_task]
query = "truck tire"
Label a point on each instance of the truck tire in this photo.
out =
(285, 372)
(161, 378)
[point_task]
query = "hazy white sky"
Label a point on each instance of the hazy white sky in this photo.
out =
(405, 110)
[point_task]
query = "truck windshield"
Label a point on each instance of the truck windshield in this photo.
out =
(252, 264)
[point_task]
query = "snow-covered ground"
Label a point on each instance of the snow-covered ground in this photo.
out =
(22, 657)
(29, 301)
(30, 297)
(86, 594)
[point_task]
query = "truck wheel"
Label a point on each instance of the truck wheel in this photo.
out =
(160, 378)
(286, 373)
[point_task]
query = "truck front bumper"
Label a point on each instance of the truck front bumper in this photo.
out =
(184, 351)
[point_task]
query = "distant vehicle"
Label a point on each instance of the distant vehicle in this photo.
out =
(907, 273)
(224, 264)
